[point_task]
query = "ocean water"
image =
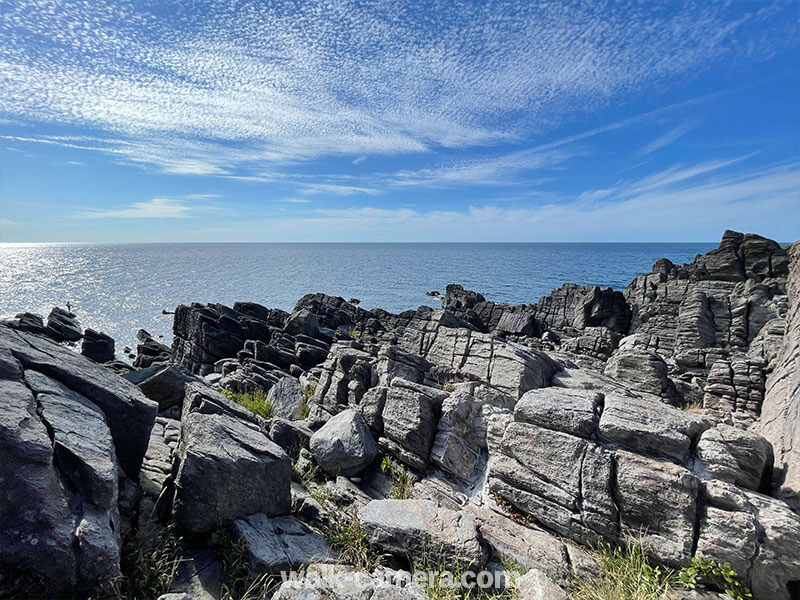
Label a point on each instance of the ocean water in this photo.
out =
(119, 288)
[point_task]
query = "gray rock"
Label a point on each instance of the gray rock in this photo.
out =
(344, 445)
(128, 413)
(658, 499)
(641, 371)
(738, 456)
(780, 415)
(225, 466)
(409, 421)
(460, 437)
(340, 583)
(576, 412)
(167, 386)
(422, 530)
(275, 544)
(647, 426)
(97, 346)
(292, 436)
(63, 326)
(302, 322)
(536, 585)
(287, 397)
(58, 481)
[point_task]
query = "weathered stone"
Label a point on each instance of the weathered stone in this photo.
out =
(647, 426)
(341, 583)
(128, 413)
(226, 467)
(167, 386)
(641, 371)
(97, 346)
(738, 456)
(275, 544)
(576, 412)
(659, 500)
(287, 397)
(419, 529)
(292, 436)
(409, 421)
(458, 444)
(344, 445)
(536, 585)
(780, 416)
(63, 326)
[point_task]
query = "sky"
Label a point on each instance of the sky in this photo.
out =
(234, 120)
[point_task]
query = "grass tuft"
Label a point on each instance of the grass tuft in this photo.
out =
(255, 401)
(625, 574)
(346, 537)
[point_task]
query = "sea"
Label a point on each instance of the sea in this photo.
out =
(120, 288)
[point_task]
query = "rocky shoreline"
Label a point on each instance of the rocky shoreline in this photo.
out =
(472, 436)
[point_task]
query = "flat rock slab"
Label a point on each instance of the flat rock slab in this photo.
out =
(128, 413)
(275, 544)
(424, 532)
(572, 411)
(647, 426)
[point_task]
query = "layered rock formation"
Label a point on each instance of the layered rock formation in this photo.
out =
(457, 436)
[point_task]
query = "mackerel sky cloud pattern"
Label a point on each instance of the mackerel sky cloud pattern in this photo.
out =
(345, 99)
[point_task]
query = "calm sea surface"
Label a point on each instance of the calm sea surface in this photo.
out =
(118, 288)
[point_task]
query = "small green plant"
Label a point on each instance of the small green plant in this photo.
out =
(353, 334)
(625, 574)
(402, 481)
(308, 390)
(254, 401)
(447, 386)
(347, 537)
(303, 411)
(716, 575)
(148, 564)
(237, 581)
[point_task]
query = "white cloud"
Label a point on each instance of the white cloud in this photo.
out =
(157, 208)
(674, 209)
(336, 189)
(669, 137)
(295, 200)
(221, 86)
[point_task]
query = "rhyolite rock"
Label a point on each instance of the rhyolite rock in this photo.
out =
(226, 467)
(97, 346)
(780, 414)
(420, 529)
(344, 445)
(275, 544)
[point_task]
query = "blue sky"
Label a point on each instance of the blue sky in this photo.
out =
(232, 120)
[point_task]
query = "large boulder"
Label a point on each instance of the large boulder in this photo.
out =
(780, 414)
(128, 413)
(646, 426)
(424, 532)
(642, 371)
(167, 385)
(409, 421)
(344, 445)
(225, 465)
(67, 426)
(732, 454)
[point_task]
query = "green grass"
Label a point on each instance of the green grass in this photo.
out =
(148, 565)
(402, 480)
(308, 390)
(254, 401)
(349, 540)
(237, 582)
(626, 574)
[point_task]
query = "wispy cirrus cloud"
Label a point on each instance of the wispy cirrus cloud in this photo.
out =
(157, 208)
(217, 88)
(683, 209)
(670, 136)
